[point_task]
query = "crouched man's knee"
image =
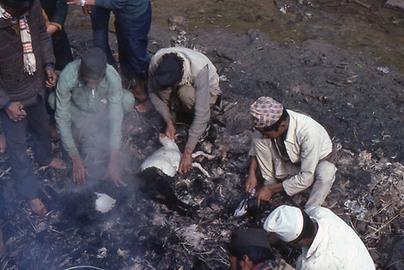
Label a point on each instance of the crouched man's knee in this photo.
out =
(325, 171)
(128, 101)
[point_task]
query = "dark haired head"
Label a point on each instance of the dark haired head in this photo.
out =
(256, 254)
(252, 243)
(308, 231)
(169, 72)
(276, 125)
(93, 64)
(16, 7)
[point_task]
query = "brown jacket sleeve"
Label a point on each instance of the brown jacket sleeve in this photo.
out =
(45, 39)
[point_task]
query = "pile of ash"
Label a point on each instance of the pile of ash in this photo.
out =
(143, 231)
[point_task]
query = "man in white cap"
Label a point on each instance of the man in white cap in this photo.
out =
(292, 151)
(327, 242)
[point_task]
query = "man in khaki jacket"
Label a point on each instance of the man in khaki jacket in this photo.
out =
(184, 81)
(292, 151)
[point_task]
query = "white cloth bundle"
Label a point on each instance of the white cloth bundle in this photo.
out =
(167, 158)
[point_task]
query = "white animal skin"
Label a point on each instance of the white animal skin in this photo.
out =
(167, 158)
(104, 203)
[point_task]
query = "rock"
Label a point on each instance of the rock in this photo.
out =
(124, 253)
(383, 70)
(176, 22)
(102, 253)
(395, 4)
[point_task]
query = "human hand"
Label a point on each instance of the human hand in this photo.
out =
(81, 2)
(113, 173)
(86, 10)
(15, 111)
(251, 183)
(264, 194)
(51, 77)
(51, 29)
(79, 170)
(186, 162)
(170, 130)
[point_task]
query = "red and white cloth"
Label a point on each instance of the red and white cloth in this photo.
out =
(266, 111)
(26, 41)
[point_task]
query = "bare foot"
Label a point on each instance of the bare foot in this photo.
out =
(38, 207)
(57, 163)
(2, 143)
(2, 247)
(144, 107)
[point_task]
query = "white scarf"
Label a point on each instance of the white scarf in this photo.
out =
(25, 34)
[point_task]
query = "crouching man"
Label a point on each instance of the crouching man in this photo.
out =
(184, 81)
(327, 242)
(292, 151)
(249, 249)
(90, 104)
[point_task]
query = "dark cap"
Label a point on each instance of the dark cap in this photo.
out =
(19, 5)
(250, 237)
(169, 72)
(93, 63)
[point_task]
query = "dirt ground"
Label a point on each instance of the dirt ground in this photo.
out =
(338, 61)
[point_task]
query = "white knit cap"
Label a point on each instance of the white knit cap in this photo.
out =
(285, 221)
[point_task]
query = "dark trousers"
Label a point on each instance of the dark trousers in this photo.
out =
(37, 122)
(61, 49)
(99, 22)
(132, 42)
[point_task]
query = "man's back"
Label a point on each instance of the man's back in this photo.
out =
(335, 246)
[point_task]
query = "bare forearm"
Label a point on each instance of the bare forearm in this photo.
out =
(276, 188)
(253, 166)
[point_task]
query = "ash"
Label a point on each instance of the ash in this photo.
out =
(146, 229)
(143, 232)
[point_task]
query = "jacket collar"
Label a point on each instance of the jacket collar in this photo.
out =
(291, 134)
(319, 240)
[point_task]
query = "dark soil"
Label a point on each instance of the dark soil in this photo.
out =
(321, 58)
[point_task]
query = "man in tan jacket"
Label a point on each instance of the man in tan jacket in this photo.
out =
(183, 81)
(292, 151)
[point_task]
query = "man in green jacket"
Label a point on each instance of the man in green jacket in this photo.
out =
(90, 105)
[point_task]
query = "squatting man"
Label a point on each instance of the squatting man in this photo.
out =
(292, 151)
(326, 241)
(184, 82)
(90, 105)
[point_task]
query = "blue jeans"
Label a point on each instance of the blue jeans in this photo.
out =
(132, 43)
(61, 49)
(99, 22)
